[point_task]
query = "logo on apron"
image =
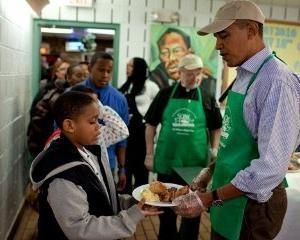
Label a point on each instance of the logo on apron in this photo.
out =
(226, 127)
(183, 121)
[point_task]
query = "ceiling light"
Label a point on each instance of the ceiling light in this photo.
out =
(57, 30)
(101, 31)
(165, 16)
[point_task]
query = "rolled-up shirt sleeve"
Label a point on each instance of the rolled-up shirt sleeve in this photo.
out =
(274, 121)
(71, 210)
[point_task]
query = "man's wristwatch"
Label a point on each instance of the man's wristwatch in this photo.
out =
(217, 202)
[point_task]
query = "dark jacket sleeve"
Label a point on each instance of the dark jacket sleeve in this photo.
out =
(212, 111)
(157, 107)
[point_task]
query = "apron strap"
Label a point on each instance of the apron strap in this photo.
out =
(225, 93)
(260, 67)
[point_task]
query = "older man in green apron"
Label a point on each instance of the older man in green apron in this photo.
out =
(186, 113)
(260, 131)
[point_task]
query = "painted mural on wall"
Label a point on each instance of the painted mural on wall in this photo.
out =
(170, 43)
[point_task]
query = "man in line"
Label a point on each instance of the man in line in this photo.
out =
(185, 112)
(261, 129)
(101, 68)
(173, 45)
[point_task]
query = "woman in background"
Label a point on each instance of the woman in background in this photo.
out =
(139, 92)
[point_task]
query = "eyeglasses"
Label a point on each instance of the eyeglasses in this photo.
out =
(192, 73)
(167, 52)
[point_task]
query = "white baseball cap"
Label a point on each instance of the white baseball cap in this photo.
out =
(190, 62)
(230, 12)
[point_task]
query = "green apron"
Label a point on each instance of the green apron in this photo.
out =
(236, 150)
(182, 139)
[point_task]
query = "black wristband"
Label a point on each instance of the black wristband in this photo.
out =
(215, 195)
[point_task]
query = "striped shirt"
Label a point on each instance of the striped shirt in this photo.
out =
(272, 114)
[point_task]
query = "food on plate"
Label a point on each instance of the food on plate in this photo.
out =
(157, 187)
(158, 191)
(149, 196)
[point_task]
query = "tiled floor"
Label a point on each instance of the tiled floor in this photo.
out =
(146, 230)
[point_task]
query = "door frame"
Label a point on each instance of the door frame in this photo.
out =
(37, 37)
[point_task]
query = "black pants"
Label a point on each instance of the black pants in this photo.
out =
(189, 227)
(262, 221)
(135, 157)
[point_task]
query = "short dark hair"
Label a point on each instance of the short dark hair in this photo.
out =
(84, 89)
(71, 69)
(186, 38)
(100, 55)
(69, 105)
(244, 22)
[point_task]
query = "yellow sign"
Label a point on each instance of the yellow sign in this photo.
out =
(284, 39)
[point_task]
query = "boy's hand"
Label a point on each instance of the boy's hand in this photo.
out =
(148, 210)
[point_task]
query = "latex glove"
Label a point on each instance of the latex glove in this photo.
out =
(189, 205)
(149, 162)
(201, 181)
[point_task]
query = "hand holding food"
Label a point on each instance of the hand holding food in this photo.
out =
(148, 210)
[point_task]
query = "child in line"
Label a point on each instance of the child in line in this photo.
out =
(77, 198)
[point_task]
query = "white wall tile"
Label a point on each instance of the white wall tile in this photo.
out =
(266, 9)
(216, 5)
(51, 12)
(277, 12)
(68, 13)
(202, 19)
(187, 19)
(203, 6)
(154, 4)
(86, 14)
(292, 14)
(103, 12)
(119, 13)
(137, 4)
(171, 4)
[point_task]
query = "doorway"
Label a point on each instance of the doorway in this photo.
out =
(76, 41)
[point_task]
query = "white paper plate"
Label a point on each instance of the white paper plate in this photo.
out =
(137, 195)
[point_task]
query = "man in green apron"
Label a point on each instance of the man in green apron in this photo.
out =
(185, 112)
(259, 134)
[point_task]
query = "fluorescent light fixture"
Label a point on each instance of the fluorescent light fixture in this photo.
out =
(57, 30)
(101, 31)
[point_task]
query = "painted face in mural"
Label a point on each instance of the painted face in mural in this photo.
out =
(171, 49)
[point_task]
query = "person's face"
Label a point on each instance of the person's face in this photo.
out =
(101, 72)
(190, 78)
(171, 51)
(62, 70)
(233, 45)
(86, 128)
(129, 68)
(85, 68)
(77, 76)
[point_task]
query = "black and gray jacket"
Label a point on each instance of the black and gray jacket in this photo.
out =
(73, 202)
